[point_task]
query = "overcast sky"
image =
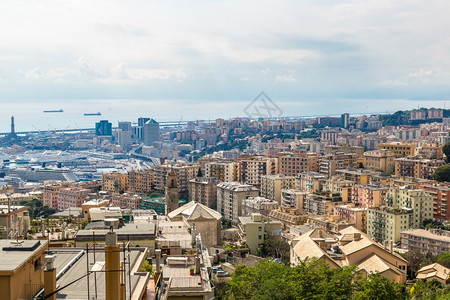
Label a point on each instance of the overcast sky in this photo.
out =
(224, 50)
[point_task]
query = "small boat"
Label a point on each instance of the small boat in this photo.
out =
(53, 111)
(93, 114)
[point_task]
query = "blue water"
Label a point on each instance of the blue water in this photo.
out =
(29, 114)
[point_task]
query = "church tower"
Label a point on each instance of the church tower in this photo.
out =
(171, 192)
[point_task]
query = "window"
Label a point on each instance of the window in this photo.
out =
(37, 265)
(259, 237)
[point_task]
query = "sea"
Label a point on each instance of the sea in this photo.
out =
(29, 115)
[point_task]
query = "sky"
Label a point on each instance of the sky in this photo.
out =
(201, 52)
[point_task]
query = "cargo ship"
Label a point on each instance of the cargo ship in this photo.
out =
(53, 111)
(93, 114)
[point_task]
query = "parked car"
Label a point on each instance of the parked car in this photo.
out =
(221, 273)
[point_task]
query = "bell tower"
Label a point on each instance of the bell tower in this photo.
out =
(171, 194)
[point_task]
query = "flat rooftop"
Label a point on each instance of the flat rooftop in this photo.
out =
(134, 230)
(13, 255)
(96, 287)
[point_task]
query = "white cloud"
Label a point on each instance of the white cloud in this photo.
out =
(344, 46)
(285, 78)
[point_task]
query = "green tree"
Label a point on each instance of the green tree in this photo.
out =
(427, 290)
(446, 150)
(147, 267)
(442, 173)
(275, 247)
(376, 286)
(444, 259)
(311, 279)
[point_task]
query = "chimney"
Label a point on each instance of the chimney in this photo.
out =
(391, 246)
(43, 228)
(112, 262)
(356, 236)
(50, 278)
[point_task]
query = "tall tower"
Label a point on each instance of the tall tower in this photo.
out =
(172, 197)
(151, 132)
(13, 128)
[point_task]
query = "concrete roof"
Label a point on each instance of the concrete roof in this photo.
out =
(79, 290)
(134, 230)
(434, 270)
(427, 234)
(375, 264)
(237, 186)
(14, 209)
(13, 259)
(194, 211)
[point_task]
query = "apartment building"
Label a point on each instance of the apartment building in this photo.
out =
(379, 160)
(292, 198)
(322, 204)
(435, 241)
(114, 182)
(417, 167)
(183, 172)
(71, 197)
(330, 163)
(230, 196)
(271, 186)
(13, 220)
(441, 198)
(368, 195)
(253, 230)
(295, 162)
(332, 224)
(126, 200)
(430, 150)
(386, 224)
(15, 198)
(141, 181)
(337, 184)
(289, 217)
(22, 268)
(419, 201)
(258, 205)
(310, 182)
(353, 214)
(399, 149)
(204, 190)
(50, 195)
(252, 167)
(332, 149)
(223, 171)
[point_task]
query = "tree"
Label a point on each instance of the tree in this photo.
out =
(147, 267)
(442, 173)
(427, 290)
(275, 247)
(311, 279)
(444, 259)
(446, 150)
(376, 286)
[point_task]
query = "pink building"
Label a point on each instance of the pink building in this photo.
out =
(71, 197)
(368, 196)
(126, 201)
(355, 215)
